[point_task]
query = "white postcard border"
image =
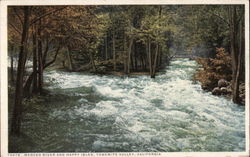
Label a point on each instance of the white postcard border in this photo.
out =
(4, 86)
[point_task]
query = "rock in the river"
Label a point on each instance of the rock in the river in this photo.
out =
(216, 91)
(224, 90)
(223, 83)
(221, 91)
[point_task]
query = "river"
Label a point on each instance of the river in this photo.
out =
(171, 113)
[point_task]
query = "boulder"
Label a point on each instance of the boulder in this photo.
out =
(223, 83)
(216, 91)
(224, 90)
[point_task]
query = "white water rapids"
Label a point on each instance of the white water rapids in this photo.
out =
(139, 114)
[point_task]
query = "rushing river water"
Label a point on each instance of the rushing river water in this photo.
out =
(91, 113)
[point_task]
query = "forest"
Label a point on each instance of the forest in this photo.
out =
(51, 48)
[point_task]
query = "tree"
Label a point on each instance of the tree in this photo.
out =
(236, 23)
(16, 116)
(26, 20)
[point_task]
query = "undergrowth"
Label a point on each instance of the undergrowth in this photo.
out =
(212, 70)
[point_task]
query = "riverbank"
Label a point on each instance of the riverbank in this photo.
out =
(216, 76)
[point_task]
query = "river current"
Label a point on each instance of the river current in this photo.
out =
(171, 113)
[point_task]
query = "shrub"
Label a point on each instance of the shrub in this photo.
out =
(212, 70)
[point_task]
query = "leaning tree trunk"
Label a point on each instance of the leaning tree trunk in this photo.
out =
(155, 61)
(17, 111)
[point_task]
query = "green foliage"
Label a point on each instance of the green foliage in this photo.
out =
(201, 26)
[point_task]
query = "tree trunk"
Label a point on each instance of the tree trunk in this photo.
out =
(40, 72)
(135, 56)
(12, 64)
(45, 51)
(125, 54)
(35, 87)
(32, 78)
(155, 61)
(114, 53)
(106, 47)
(70, 59)
(27, 86)
(236, 84)
(40, 60)
(129, 54)
(92, 62)
(234, 55)
(131, 58)
(17, 111)
(149, 57)
(143, 63)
